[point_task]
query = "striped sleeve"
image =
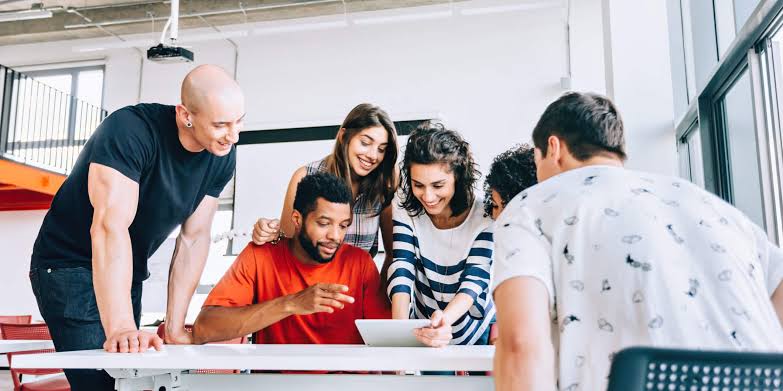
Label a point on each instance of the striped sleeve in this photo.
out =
(475, 277)
(402, 269)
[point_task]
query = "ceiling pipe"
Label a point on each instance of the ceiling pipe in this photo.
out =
(200, 14)
(142, 55)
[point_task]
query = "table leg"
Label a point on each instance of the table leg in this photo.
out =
(143, 379)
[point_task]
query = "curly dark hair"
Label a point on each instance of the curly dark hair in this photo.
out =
(320, 185)
(511, 172)
(432, 143)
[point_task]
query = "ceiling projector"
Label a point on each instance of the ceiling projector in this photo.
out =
(170, 53)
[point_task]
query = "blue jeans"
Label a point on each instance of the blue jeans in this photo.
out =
(66, 299)
(483, 340)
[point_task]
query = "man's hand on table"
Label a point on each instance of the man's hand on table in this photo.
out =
(179, 336)
(131, 340)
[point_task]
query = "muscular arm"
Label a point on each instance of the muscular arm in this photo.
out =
(114, 198)
(187, 264)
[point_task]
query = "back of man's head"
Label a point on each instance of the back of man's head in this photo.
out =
(588, 123)
(320, 185)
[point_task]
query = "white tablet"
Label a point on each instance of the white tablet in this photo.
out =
(390, 332)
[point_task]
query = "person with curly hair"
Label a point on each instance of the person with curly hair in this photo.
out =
(510, 173)
(442, 250)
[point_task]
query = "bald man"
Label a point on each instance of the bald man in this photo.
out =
(146, 170)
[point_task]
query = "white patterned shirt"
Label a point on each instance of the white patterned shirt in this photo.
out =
(631, 258)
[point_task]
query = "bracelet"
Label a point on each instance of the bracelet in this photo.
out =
(280, 235)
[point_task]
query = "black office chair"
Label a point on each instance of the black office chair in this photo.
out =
(652, 369)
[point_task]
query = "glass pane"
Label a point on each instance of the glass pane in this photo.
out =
(742, 11)
(705, 52)
(683, 159)
(724, 24)
(90, 86)
(742, 147)
(694, 157)
(60, 82)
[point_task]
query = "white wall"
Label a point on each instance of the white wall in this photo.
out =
(17, 235)
(488, 76)
(641, 82)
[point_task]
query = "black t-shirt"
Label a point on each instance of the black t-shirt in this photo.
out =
(141, 142)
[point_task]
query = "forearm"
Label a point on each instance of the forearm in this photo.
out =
(777, 302)
(224, 323)
(187, 264)
(523, 367)
(387, 260)
(401, 304)
(457, 307)
(112, 271)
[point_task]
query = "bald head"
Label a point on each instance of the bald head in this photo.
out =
(209, 85)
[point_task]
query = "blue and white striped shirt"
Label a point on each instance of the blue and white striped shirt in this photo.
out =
(433, 265)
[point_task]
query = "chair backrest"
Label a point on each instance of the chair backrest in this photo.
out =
(37, 331)
(189, 327)
(638, 369)
(23, 319)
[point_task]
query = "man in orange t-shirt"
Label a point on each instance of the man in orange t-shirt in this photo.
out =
(307, 289)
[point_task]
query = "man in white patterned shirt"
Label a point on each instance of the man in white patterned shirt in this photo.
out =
(596, 258)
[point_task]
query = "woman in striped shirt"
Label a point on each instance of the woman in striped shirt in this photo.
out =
(365, 156)
(442, 242)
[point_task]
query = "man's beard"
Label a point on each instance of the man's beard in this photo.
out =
(312, 250)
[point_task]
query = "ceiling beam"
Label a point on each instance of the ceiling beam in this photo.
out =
(218, 13)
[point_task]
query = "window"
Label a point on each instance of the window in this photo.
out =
(690, 157)
(739, 133)
(86, 85)
(52, 113)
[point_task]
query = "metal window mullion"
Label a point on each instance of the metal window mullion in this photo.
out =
(774, 85)
(763, 141)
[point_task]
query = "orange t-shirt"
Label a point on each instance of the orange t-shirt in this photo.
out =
(269, 271)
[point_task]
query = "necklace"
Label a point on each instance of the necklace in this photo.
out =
(446, 271)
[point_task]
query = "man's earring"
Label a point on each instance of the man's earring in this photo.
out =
(189, 125)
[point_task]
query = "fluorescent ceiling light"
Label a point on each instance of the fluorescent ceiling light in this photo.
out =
(507, 8)
(300, 27)
(25, 15)
(190, 38)
(402, 18)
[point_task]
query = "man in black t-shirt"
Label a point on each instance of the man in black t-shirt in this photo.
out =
(146, 170)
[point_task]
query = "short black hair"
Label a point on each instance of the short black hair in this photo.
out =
(432, 143)
(511, 172)
(589, 124)
(320, 185)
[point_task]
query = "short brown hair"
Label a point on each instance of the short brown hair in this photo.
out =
(588, 123)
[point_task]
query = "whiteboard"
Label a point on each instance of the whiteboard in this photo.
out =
(262, 175)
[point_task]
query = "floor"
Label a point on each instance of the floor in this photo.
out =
(5, 381)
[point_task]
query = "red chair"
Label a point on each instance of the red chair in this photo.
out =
(36, 331)
(189, 327)
(17, 319)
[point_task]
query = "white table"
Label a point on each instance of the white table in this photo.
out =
(20, 345)
(153, 370)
